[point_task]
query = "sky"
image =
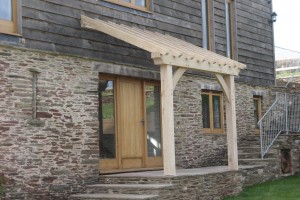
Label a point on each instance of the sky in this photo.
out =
(287, 26)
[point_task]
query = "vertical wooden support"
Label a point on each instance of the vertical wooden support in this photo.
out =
(231, 124)
(167, 120)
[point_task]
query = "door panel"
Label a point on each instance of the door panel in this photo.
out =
(131, 123)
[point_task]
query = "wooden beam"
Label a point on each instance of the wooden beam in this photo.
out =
(114, 30)
(224, 86)
(177, 75)
(231, 125)
(167, 120)
(196, 63)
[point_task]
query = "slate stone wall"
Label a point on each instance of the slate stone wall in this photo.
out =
(194, 148)
(57, 153)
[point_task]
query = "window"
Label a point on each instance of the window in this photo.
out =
(212, 112)
(8, 16)
(257, 111)
(207, 31)
(144, 5)
(230, 28)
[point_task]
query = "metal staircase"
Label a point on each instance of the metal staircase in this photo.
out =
(283, 117)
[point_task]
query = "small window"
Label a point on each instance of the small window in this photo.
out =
(144, 5)
(8, 17)
(230, 28)
(212, 112)
(257, 111)
(207, 30)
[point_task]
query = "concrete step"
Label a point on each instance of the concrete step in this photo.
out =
(128, 188)
(112, 196)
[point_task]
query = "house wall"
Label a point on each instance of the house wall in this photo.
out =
(54, 25)
(195, 148)
(57, 153)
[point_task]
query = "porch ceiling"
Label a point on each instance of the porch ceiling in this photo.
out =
(167, 50)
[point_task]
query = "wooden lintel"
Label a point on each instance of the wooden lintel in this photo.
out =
(177, 75)
(224, 86)
(195, 64)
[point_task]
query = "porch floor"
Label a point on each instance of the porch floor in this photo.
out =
(182, 172)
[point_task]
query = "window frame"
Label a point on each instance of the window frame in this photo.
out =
(12, 27)
(230, 23)
(207, 9)
(147, 8)
(259, 111)
(211, 116)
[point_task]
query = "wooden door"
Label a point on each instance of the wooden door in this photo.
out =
(131, 123)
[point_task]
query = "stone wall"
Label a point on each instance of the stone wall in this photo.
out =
(194, 148)
(289, 142)
(57, 153)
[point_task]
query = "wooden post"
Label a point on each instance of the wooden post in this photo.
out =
(231, 124)
(167, 120)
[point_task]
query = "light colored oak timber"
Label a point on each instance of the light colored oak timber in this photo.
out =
(223, 85)
(167, 120)
(104, 27)
(231, 125)
(160, 43)
(196, 64)
(177, 75)
(131, 124)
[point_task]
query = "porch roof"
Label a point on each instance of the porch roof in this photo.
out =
(167, 50)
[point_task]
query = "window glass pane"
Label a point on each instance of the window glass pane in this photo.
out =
(107, 119)
(153, 120)
(217, 111)
(255, 101)
(141, 3)
(128, 1)
(6, 10)
(205, 111)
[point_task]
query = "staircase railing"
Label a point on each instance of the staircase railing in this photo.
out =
(282, 117)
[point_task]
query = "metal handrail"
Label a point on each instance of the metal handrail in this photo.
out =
(282, 116)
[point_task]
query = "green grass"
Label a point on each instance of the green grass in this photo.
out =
(283, 189)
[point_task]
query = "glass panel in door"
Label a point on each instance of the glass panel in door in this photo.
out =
(153, 121)
(107, 119)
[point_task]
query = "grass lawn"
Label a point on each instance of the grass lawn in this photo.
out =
(284, 189)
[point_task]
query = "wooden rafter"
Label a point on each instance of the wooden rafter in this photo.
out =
(167, 51)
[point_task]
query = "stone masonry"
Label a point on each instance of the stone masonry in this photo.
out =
(195, 148)
(57, 153)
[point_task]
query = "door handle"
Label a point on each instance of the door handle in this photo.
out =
(142, 121)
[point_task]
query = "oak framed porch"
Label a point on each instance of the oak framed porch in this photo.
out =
(169, 52)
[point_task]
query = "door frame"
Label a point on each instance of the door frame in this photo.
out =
(107, 166)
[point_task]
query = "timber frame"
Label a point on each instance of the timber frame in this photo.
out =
(168, 52)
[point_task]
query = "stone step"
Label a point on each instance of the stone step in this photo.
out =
(128, 188)
(256, 161)
(255, 155)
(112, 196)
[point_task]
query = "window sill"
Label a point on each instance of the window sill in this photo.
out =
(132, 7)
(13, 34)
